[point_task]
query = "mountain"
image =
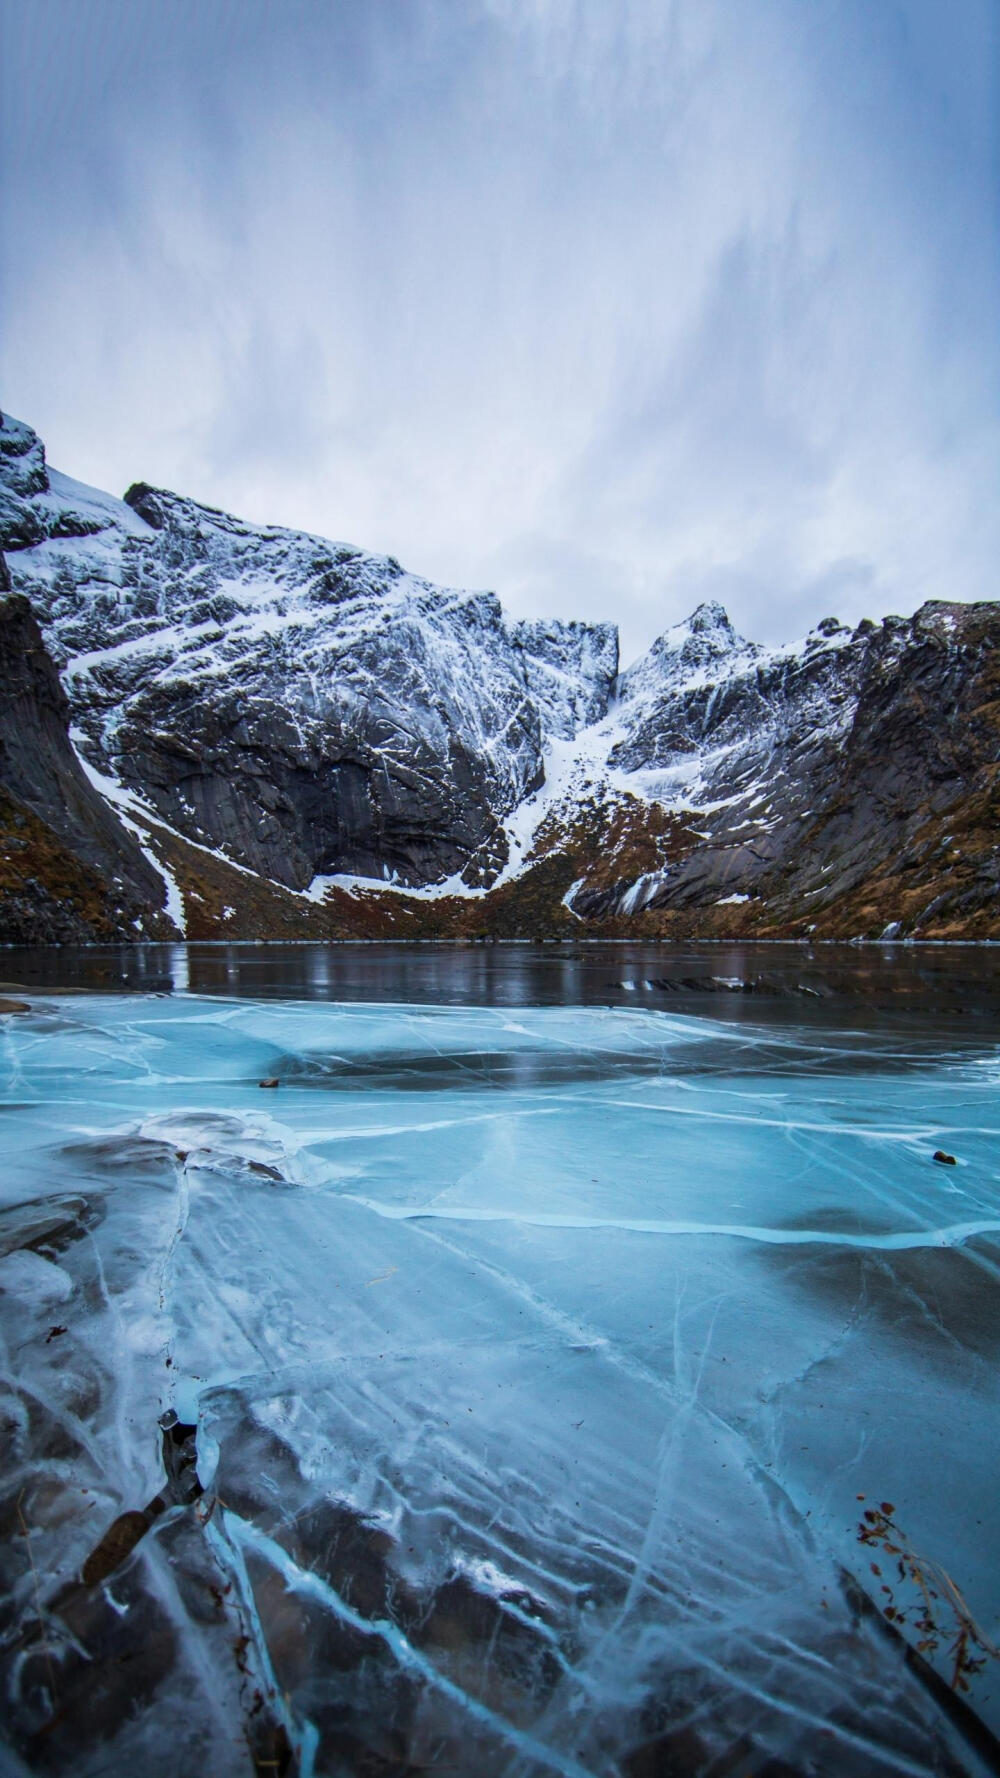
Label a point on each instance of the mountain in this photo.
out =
(303, 738)
(302, 705)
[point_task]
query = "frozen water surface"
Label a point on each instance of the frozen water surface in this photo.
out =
(504, 1391)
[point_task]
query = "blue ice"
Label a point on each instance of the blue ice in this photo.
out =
(544, 1364)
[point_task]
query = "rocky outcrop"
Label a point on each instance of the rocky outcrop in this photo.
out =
(284, 714)
(817, 767)
(68, 868)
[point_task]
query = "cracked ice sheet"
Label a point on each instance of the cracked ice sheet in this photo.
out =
(538, 1361)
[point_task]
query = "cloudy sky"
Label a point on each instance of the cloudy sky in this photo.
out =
(611, 305)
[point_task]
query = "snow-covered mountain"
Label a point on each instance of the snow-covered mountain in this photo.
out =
(317, 718)
(304, 706)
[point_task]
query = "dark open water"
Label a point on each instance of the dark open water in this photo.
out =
(925, 986)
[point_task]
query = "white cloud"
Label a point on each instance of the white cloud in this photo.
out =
(609, 307)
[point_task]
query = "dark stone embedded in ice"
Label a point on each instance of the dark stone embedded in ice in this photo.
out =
(948, 1160)
(49, 1227)
(119, 1541)
(263, 1171)
(461, 1620)
(371, 1713)
(111, 1663)
(681, 1753)
(180, 1460)
(272, 1082)
(106, 1658)
(127, 1153)
(14, 1006)
(180, 1457)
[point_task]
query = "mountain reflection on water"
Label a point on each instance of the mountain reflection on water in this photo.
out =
(576, 1361)
(933, 982)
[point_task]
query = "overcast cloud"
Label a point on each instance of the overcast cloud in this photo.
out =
(612, 305)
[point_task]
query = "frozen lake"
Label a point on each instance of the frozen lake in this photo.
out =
(577, 1362)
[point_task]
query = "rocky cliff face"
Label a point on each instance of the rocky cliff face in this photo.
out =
(68, 869)
(806, 773)
(316, 719)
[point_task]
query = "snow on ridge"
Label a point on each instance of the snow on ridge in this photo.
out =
(164, 613)
(64, 491)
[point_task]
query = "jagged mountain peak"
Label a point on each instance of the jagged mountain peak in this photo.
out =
(710, 617)
(708, 634)
(698, 647)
